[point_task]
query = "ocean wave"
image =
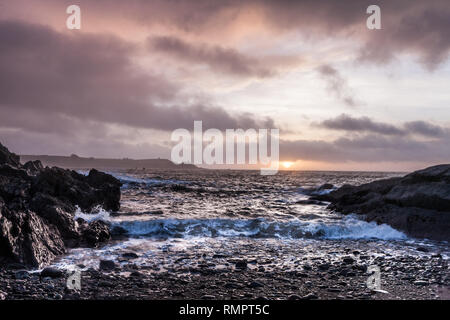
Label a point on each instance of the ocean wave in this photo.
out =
(129, 179)
(99, 214)
(347, 228)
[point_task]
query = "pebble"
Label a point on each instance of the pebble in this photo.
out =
(241, 264)
(256, 284)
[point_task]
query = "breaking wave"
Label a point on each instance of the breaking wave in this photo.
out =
(347, 228)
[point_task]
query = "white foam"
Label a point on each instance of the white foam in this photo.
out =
(347, 228)
(352, 228)
(101, 214)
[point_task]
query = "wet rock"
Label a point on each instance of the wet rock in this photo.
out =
(241, 264)
(348, 260)
(95, 233)
(324, 266)
(51, 273)
(107, 265)
(422, 249)
(417, 204)
(37, 206)
(294, 297)
(130, 255)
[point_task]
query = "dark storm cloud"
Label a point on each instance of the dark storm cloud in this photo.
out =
(347, 123)
(90, 77)
(216, 57)
(337, 85)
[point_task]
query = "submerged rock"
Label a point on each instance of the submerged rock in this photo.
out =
(417, 204)
(37, 208)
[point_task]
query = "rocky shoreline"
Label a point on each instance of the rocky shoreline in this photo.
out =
(330, 271)
(37, 227)
(417, 204)
(38, 205)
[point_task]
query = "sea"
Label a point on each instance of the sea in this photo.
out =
(170, 214)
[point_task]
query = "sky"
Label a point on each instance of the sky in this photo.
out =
(343, 97)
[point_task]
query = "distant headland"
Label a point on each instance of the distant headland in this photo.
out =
(76, 162)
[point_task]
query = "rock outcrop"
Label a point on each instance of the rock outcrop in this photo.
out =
(417, 204)
(37, 208)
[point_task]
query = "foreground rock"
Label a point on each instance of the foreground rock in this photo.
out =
(37, 208)
(418, 203)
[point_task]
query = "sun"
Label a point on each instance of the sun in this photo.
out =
(287, 164)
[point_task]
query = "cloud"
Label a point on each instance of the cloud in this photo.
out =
(337, 84)
(367, 148)
(347, 123)
(216, 57)
(92, 77)
(364, 124)
(426, 129)
(423, 32)
(412, 27)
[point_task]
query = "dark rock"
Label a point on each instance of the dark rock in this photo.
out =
(107, 265)
(109, 186)
(52, 273)
(311, 202)
(422, 249)
(241, 264)
(348, 260)
(95, 233)
(130, 255)
(7, 157)
(324, 266)
(255, 284)
(33, 167)
(294, 297)
(417, 204)
(37, 207)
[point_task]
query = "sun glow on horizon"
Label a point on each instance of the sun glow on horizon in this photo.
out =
(287, 164)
